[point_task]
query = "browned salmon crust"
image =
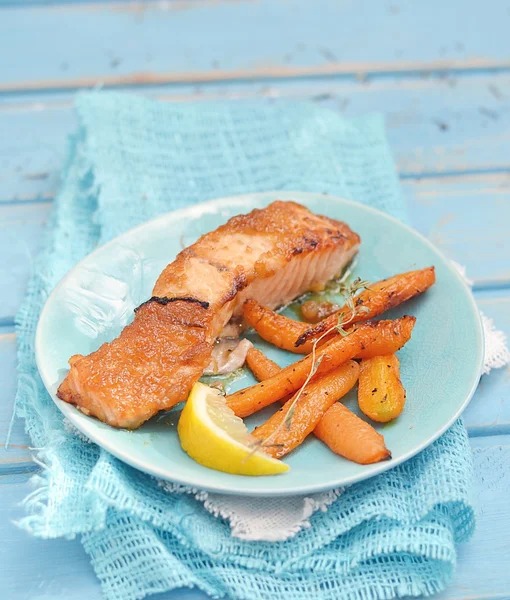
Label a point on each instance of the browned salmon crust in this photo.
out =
(273, 255)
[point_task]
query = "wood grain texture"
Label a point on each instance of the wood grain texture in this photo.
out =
(165, 42)
(18, 452)
(53, 569)
(21, 230)
(119, 4)
(436, 125)
(462, 216)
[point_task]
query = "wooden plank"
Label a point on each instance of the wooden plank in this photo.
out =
(465, 218)
(487, 414)
(434, 125)
(60, 569)
(160, 42)
(482, 567)
(21, 229)
(18, 452)
(32, 3)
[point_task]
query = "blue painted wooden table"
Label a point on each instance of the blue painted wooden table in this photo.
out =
(440, 71)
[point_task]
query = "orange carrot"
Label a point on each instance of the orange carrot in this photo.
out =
(263, 367)
(381, 395)
(249, 400)
(378, 298)
(297, 337)
(351, 437)
(327, 357)
(276, 329)
(340, 429)
(260, 365)
(390, 340)
(288, 427)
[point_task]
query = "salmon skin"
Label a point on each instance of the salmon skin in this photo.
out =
(274, 255)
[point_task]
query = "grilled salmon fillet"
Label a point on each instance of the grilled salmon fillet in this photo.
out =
(273, 255)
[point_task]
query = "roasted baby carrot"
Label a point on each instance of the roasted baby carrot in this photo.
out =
(249, 400)
(276, 329)
(327, 357)
(381, 395)
(390, 340)
(378, 298)
(295, 336)
(260, 365)
(349, 436)
(340, 429)
(288, 427)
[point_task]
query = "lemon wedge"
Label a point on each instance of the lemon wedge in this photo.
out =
(212, 435)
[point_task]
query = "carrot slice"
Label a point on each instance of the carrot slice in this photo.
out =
(329, 356)
(286, 430)
(349, 436)
(378, 298)
(340, 429)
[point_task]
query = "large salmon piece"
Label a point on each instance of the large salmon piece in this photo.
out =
(273, 255)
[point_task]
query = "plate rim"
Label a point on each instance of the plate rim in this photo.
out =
(88, 427)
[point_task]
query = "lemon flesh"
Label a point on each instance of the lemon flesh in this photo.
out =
(211, 434)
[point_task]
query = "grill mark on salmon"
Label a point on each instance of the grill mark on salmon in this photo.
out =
(273, 254)
(164, 301)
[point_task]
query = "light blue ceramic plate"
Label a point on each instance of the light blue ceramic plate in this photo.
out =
(440, 366)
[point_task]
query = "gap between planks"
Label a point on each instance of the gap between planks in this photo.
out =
(324, 87)
(357, 71)
(495, 181)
